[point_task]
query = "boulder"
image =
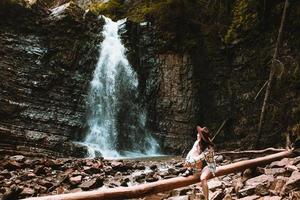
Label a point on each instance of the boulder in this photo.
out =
(274, 171)
(185, 197)
(292, 183)
(91, 170)
(247, 191)
(260, 180)
(271, 198)
(12, 165)
(12, 193)
(91, 184)
(173, 171)
(40, 170)
(217, 195)
(214, 184)
(18, 158)
(45, 183)
(296, 160)
(76, 190)
(6, 174)
(280, 163)
(27, 192)
(153, 166)
(277, 185)
(262, 189)
(253, 197)
(291, 168)
(119, 166)
(75, 180)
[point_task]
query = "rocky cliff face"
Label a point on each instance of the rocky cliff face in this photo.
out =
(218, 82)
(170, 84)
(47, 59)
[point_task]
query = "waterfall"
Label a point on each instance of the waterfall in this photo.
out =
(116, 120)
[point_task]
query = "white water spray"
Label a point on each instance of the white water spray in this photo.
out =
(115, 117)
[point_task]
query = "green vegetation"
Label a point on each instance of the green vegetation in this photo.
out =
(177, 22)
(244, 20)
(114, 8)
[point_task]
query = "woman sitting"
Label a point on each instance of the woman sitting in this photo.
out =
(201, 157)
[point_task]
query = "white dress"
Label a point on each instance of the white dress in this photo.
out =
(196, 155)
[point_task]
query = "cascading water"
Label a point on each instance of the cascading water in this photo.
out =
(116, 120)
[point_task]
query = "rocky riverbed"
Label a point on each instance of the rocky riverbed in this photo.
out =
(22, 177)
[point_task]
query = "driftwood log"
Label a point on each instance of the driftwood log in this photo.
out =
(249, 153)
(164, 185)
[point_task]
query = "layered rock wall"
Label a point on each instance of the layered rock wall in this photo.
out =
(47, 59)
(176, 107)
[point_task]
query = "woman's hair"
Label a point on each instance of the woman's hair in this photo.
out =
(204, 144)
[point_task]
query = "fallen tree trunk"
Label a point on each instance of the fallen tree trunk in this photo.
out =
(163, 185)
(250, 153)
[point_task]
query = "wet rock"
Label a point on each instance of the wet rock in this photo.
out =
(140, 178)
(109, 170)
(119, 166)
(91, 184)
(153, 167)
(139, 167)
(124, 182)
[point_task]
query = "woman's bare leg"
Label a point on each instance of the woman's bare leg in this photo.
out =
(205, 171)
